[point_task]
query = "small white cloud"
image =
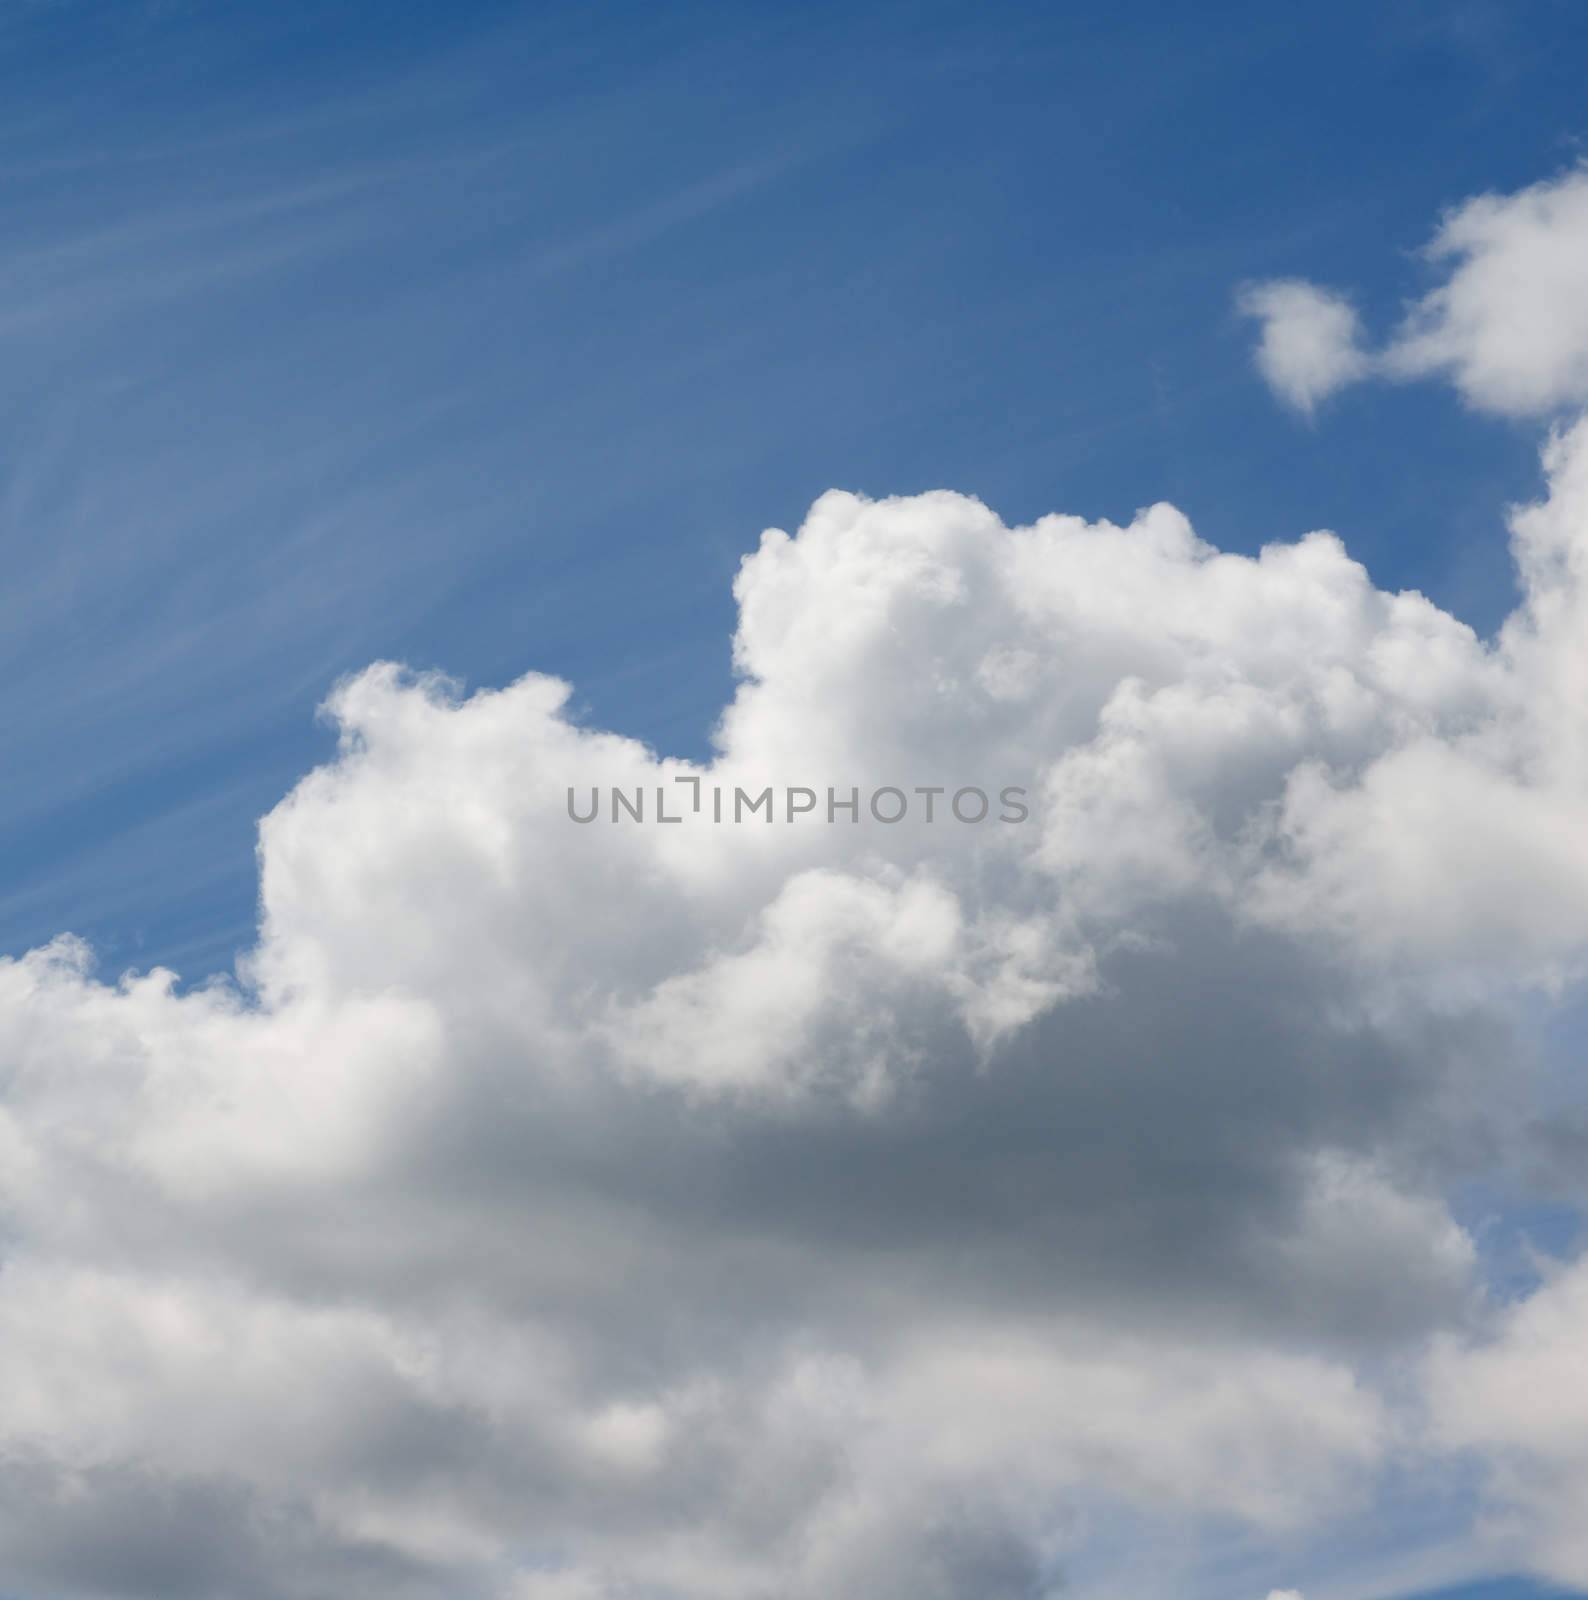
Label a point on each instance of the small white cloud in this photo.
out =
(1508, 326)
(1311, 340)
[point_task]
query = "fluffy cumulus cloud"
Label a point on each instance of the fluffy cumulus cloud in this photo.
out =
(780, 1209)
(1508, 325)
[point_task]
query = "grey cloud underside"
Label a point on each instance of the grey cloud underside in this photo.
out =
(1137, 1144)
(1135, 1158)
(126, 1530)
(1140, 1145)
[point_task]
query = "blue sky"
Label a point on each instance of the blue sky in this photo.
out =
(488, 338)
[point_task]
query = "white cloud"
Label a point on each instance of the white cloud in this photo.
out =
(1508, 326)
(711, 1207)
(810, 1209)
(1466, 845)
(1520, 1399)
(1311, 342)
